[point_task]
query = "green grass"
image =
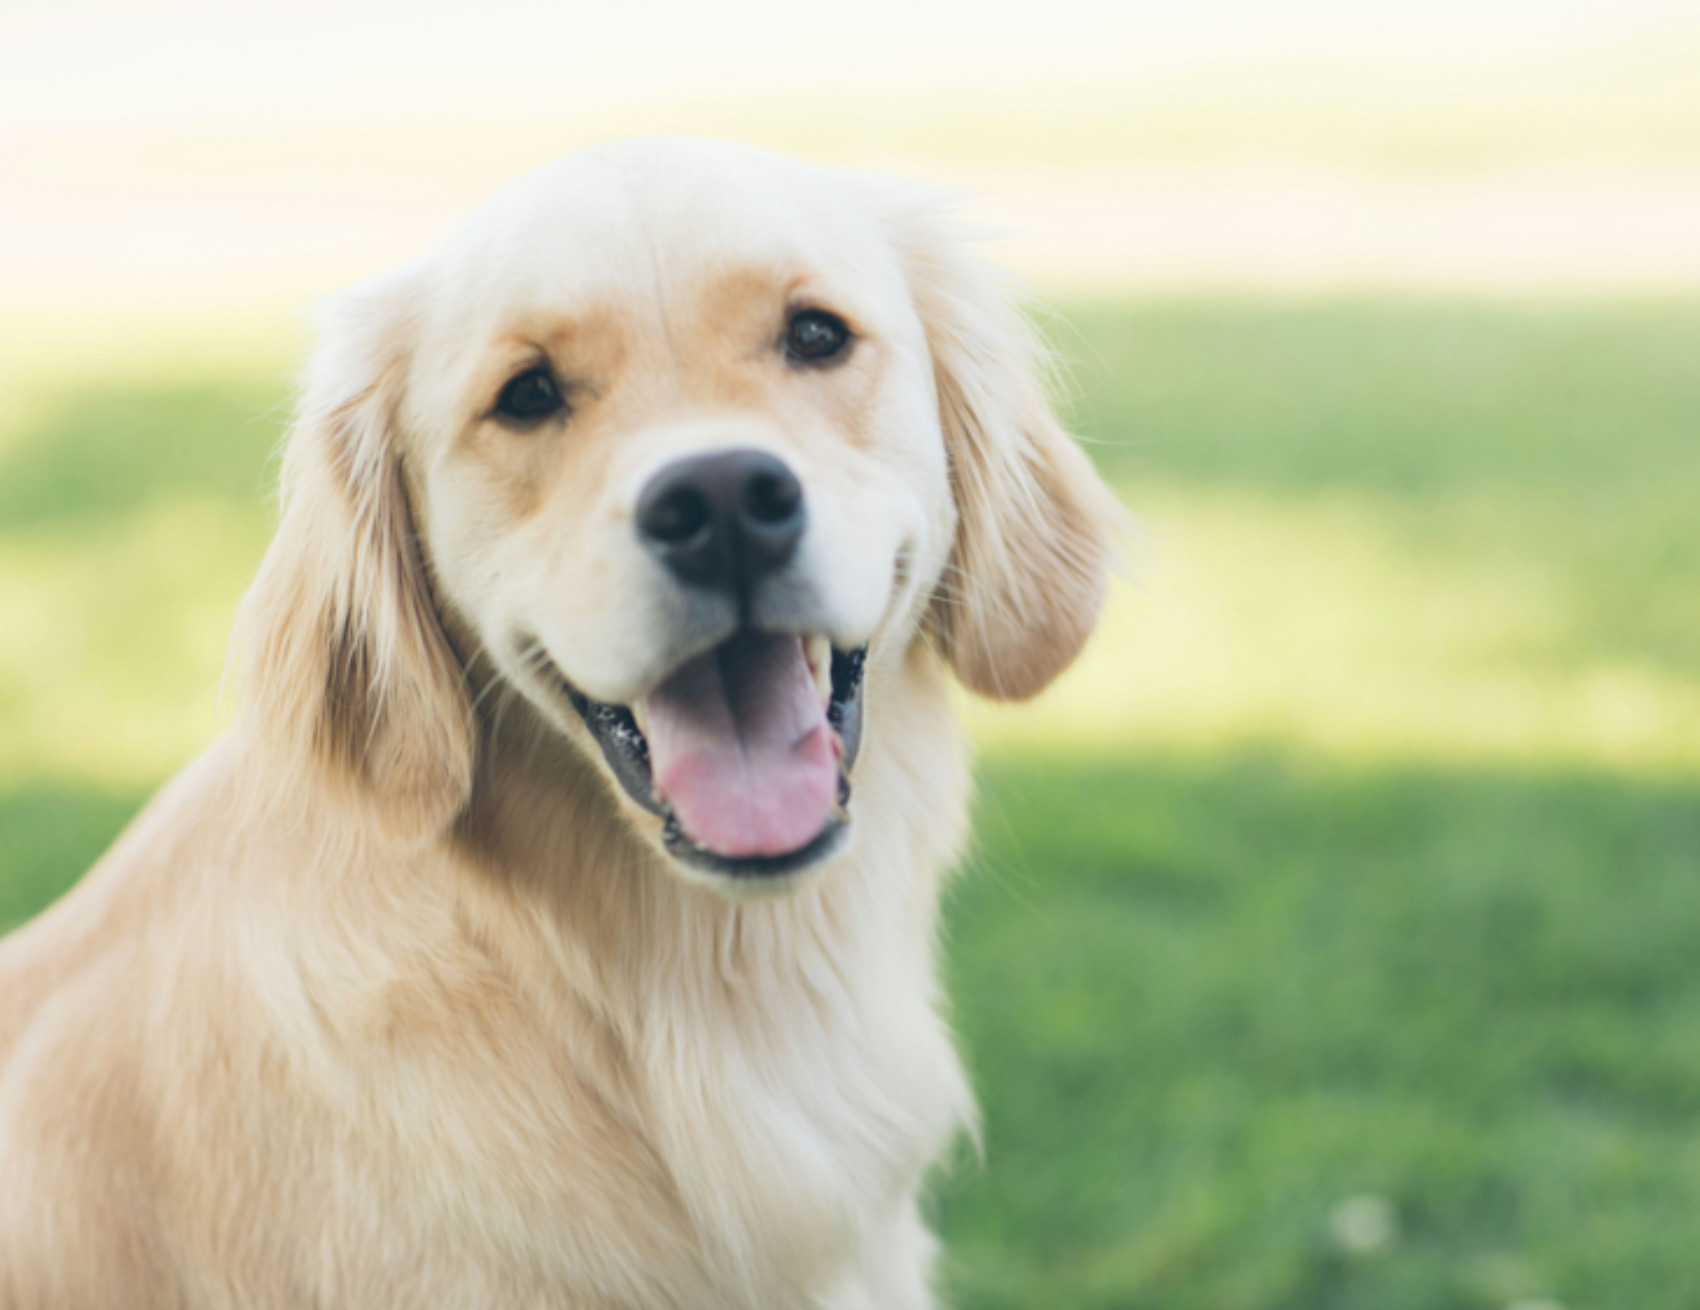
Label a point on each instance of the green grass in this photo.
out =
(1360, 857)
(1567, 443)
(49, 834)
(1417, 401)
(1206, 1005)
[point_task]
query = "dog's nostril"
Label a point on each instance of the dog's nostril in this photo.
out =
(772, 498)
(677, 517)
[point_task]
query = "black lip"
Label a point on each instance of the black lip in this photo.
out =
(626, 749)
(623, 745)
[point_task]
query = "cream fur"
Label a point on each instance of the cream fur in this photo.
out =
(391, 999)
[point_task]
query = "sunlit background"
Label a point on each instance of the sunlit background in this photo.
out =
(1334, 936)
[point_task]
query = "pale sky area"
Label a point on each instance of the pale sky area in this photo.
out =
(196, 61)
(222, 158)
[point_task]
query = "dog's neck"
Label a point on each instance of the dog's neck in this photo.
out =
(782, 1060)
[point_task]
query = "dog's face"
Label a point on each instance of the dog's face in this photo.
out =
(687, 444)
(680, 467)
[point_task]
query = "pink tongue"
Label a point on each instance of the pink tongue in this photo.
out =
(739, 746)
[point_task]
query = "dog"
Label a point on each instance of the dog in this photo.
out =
(555, 927)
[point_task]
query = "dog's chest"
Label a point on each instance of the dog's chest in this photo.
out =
(795, 1144)
(743, 1156)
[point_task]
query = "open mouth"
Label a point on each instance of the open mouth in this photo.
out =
(744, 751)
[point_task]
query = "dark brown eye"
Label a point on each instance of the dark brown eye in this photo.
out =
(532, 396)
(814, 336)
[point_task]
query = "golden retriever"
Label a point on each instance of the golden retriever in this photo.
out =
(556, 927)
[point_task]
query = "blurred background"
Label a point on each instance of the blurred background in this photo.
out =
(1332, 937)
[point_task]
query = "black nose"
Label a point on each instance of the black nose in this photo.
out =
(723, 520)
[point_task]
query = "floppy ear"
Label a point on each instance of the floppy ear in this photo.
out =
(347, 666)
(1035, 534)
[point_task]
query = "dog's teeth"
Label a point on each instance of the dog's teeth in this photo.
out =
(818, 651)
(640, 718)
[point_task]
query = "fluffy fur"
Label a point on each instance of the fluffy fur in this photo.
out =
(392, 998)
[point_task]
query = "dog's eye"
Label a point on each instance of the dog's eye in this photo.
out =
(814, 336)
(531, 396)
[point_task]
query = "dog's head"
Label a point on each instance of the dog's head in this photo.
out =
(688, 444)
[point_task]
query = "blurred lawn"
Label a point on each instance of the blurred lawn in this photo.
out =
(1360, 858)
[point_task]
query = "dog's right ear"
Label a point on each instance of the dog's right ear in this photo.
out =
(346, 665)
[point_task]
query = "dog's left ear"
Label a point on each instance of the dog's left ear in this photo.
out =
(348, 668)
(1036, 527)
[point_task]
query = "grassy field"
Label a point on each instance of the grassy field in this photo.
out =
(1330, 943)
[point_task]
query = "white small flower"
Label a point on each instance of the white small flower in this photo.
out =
(1363, 1225)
